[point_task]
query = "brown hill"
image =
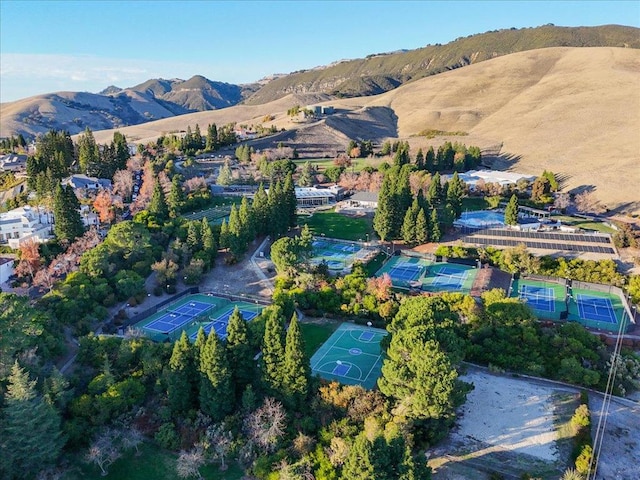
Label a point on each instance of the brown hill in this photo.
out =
(575, 111)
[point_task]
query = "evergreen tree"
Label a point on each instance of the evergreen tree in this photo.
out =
(296, 365)
(511, 212)
(260, 208)
(419, 376)
(224, 176)
(434, 225)
(409, 225)
(239, 353)
(307, 175)
(435, 190)
(359, 464)
(290, 201)
(422, 228)
(383, 218)
(180, 376)
(224, 234)
(278, 219)
(175, 199)
(194, 239)
(236, 243)
(247, 223)
(216, 390)
(430, 161)
(68, 224)
(208, 241)
(420, 160)
(30, 435)
(158, 205)
(273, 348)
(88, 152)
(211, 142)
(455, 192)
(197, 138)
(121, 154)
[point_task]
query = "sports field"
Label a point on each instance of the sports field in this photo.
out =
(546, 299)
(339, 255)
(351, 356)
(192, 312)
(422, 274)
(213, 215)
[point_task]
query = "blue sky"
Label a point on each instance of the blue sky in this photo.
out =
(47, 46)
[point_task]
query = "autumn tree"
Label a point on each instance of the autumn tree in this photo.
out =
(103, 204)
(29, 263)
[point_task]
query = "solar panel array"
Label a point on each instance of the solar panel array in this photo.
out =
(508, 242)
(558, 237)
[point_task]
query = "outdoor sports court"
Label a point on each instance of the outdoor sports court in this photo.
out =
(422, 274)
(545, 298)
(220, 323)
(192, 312)
(595, 309)
(351, 356)
(339, 255)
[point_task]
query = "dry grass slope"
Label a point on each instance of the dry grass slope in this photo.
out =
(575, 111)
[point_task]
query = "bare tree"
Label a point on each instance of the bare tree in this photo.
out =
(189, 463)
(123, 183)
(194, 184)
(131, 437)
(29, 259)
(266, 425)
(219, 440)
(586, 202)
(104, 450)
(561, 201)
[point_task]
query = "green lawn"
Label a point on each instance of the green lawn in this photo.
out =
(474, 203)
(315, 335)
(336, 225)
(154, 463)
(357, 164)
(584, 224)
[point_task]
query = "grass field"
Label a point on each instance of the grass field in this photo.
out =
(585, 224)
(336, 225)
(357, 164)
(154, 463)
(315, 334)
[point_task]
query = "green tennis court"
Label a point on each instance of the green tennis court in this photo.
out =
(351, 356)
(600, 310)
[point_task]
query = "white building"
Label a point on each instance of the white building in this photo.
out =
(13, 162)
(25, 223)
(505, 179)
(6, 268)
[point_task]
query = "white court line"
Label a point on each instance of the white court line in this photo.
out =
(373, 366)
(329, 349)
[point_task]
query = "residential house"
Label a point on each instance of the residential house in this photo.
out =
(87, 183)
(23, 223)
(13, 162)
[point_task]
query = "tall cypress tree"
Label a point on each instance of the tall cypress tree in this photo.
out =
(290, 201)
(208, 241)
(216, 390)
(68, 224)
(194, 238)
(88, 152)
(158, 205)
(237, 244)
(511, 212)
(434, 224)
(239, 353)
(247, 223)
(273, 348)
(435, 190)
(422, 227)
(180, 376)
(30, 434)
(455, 193)
(296, 365)
(175, 199)
(260, 207)
(383, 218)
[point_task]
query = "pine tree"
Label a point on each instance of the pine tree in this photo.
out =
(224, 234)
(211, 142)
(296, 365)
(180, 377)
(224, 176)
(216, 390)
(194, 239)
(408, 231)
(30, 435)
(430, 161)
(260, 208)
(175, 199)
(307, 175)
(239, 353)
(420, 160)
(273, 348)
(434, 224)
(383, 218)
(208, 241)
(290, 201)
(68, 224)
(434, 194)
(359, 465)
(247, 223)
(278, 218)
(236, 242)
(454, 194)
(422, 227)
(511, 212)
(88, 152)
(158, 205)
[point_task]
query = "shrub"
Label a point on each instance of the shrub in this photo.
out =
(167, 437)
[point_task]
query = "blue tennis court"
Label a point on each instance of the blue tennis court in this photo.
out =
(596, 308)
(449, 278)
(220, 323)
(169, 322)
(192, 309)
(405, 271)
(538, 298)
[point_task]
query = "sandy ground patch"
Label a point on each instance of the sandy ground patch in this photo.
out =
(509, 414)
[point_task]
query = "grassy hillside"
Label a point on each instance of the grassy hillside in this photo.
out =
(554, 108)
(378, 73)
